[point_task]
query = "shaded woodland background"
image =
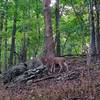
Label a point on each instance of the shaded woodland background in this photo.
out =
(74, 29)
(49, 49)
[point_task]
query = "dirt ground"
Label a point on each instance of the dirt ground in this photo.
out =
(85, 87)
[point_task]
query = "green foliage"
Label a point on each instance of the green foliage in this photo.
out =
(72, 28)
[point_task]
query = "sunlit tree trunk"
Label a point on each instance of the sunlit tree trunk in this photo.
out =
(49, 42)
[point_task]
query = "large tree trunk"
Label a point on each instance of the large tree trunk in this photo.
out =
(92, 50)
(13, 40)
(97, 28)
(49, 42)
(57, 29)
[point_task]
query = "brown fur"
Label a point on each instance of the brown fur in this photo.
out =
(54, 62)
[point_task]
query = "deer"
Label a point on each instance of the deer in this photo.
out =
(53, 62)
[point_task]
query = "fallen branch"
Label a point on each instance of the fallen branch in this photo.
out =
(69, 76)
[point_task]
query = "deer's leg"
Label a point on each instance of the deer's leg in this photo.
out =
(66, 65)
(52, 68)
(60, 65)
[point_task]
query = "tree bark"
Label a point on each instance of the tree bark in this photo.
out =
(49, 48)
(23, 52)
(13, 39)
(57, 29)
(1, 28)
(97, 35)
(92, 50)
(5, 54)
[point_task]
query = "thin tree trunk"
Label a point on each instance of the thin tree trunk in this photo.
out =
(0, 51)
(15, 58)
(5, 54)
(49, 42)
(37, 18)
(23, 52)
(97, 28)
(1, 28)
(92, 50)
(57, 29)
(13, 40)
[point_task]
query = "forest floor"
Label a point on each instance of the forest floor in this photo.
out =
(86, 86)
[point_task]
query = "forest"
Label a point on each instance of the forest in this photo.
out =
(49, 49)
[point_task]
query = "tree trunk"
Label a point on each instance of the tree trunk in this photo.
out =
(1, 28)
(23, 52)
(57, 29)
(15, 58)
(13, 40)
(37, 19)
(92, 50)
(5, 54)
(97, 28)
(49, 42)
